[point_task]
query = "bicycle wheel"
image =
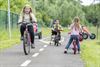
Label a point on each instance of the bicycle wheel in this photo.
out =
(74, 44)
(92, 36)
(85, 35)
(26, 44)
(56, 41)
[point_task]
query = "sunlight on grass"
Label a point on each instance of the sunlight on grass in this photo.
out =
(5, 42)
(91, 51)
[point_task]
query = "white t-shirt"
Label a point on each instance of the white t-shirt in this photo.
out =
(27, 18)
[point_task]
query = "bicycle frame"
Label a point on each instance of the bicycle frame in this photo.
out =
(27, 33)
(26, 41)
(74, 44)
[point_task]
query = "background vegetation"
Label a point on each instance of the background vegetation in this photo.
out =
(48, 10)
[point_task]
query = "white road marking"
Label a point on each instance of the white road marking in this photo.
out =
(25, 63)
(35, 55)
(45, 45)
(41, 49)
(48, 42)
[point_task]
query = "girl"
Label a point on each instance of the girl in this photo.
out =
(75, 30)
(27, 16)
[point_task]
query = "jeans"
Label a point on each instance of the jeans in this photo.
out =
(73, 37)
(30, 29)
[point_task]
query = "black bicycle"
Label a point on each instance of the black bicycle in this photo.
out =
(55, 39)
(85, 36)
(26, 40)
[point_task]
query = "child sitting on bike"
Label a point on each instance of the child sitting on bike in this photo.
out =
(56, 29)
(75, 31)
(27, 16)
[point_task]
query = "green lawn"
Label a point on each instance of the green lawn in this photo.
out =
(5, 42)
(91, 51)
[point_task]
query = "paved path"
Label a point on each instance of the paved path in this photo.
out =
(43, 56)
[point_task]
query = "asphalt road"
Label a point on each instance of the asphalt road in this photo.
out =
(44, 55)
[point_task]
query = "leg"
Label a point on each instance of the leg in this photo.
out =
(22, 29)
(67, 46)
(30, 29)
(78, 44)
(59, 35)
(70, 41)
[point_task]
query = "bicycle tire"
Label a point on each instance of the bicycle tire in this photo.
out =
(74, 44)
(26, 44)
(92, 36)
(85, 36)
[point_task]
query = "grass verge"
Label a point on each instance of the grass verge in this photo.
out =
(91, 51)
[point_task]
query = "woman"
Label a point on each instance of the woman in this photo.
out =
(75, 30)
(27, 16)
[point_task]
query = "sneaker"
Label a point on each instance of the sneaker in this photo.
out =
(65, 52)
(32, 46)
(79, 52)
(21, 38)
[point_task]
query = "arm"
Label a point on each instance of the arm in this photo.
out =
(71, 26)
(86, 30)
(61, 28)
(33, 18)
(20, 19)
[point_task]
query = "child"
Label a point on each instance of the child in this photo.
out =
(75, 30)
(56, 29)
(27, 16)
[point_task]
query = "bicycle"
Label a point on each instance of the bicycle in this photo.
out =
(75, 44)
(26, 40)
(56, 38)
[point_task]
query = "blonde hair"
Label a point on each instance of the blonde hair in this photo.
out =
(76, 23)
(23, 11)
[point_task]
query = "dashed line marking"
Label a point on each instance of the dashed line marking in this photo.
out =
(25, 63)
(45, 45)
(48, 42)
(35, 55)
(41, 49)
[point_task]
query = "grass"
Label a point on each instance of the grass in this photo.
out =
(5, 42)
(91, 51)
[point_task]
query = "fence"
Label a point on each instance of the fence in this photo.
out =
(4, 19)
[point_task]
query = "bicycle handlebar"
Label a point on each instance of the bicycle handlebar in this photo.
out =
(26, 22)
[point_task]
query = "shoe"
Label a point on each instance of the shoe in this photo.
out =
(32, 46)
(21, 38)
(79, 52)
(65, 52)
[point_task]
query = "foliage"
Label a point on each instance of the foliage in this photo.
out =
(92, 12)
(47, 10)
